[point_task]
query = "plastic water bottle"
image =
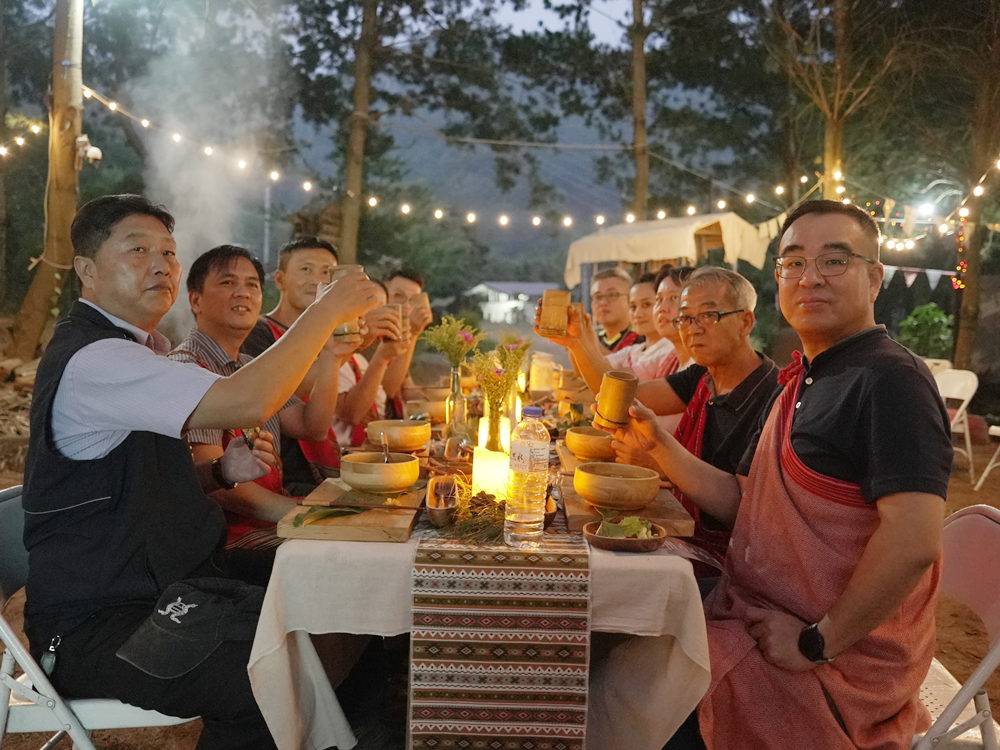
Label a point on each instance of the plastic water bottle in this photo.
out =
(526, 481)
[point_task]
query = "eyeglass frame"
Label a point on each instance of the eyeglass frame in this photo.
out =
(778, 267)
(686, 321)
(607, 296)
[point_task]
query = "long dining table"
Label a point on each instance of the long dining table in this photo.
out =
(640, 689)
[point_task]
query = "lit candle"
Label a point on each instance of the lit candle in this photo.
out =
(489, 471)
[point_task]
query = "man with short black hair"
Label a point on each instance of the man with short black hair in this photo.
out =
(609, 307)
(115, 516)
(821, 629)
(225, 290)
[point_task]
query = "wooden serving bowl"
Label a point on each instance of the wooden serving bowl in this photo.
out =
(624, 544)
(590, 444)
(368, 472)
(401, 434)
(435, 411)
(617, 486)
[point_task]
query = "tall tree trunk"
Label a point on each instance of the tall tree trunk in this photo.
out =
(833, 155)
(985, 145)
(4, 275)
(641, 150)
(65, 118)
(358, 133)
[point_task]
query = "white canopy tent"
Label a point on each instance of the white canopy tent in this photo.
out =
(689, 237)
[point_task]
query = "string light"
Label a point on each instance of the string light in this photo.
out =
(145, 122)
(720, 204)
(567, 221)
(691, 210)
(241, 164)
(838, 175)
(438, 213)
(804, 179)
(846, 201)
(19, 140)
(750, 198)
(307, 186)
(177, 137)
(87, 93)
(372, 201)
(504, 220)
(208, 150)
(536, 221)
(661, 214)
(890, 244)
(630, 218)
(910, 244)
(3, 151)
(978, 191)
(599, 220)
(471, 217)
(113, 106)
(943, 228)
(963, 212)
(779, 190)
(274, 175)
(405, 209)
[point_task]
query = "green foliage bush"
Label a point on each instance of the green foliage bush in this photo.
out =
(927, 331)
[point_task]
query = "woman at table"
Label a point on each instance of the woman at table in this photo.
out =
(652, 358)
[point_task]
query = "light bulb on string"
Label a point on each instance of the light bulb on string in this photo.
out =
(599, 220)
(567, 221)
(87, 93)
(750, 198)
(846, 201)
(503, 220)
(890, 244)
(438, 213)
(36, 129)
(691, 210)
(274, 175)
(471, 217)
(943, 228)
(779, 190)
(720, 204)
(838, 175)
(113, 106)
(978, 191)
(804, 179)
(964, 212)
(177, 137)
(910, 244)
(536, 221)
(405, 208)
(144, 122)
(630, 218)
(3, 151)
(307, 186)
(241, 164)
(208, 150)
(841, 190)
(661, 214)
(19, 140)
(372, 201)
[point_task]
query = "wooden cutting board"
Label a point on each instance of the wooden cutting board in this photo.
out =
(664, 510)
(372, 525)
(335, 491)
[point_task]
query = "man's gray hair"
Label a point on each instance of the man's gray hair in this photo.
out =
(612, 273)
(740, 292)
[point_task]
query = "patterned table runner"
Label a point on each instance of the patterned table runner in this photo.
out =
(499, 646)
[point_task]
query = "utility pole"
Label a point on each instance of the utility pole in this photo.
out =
(638, 34)
(65, 126)
(358, 133)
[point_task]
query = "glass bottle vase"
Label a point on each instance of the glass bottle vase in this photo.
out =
(455, 405)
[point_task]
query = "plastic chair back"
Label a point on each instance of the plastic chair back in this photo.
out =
(13, 555)
(971, 570)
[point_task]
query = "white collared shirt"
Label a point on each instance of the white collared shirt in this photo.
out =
(115, 386)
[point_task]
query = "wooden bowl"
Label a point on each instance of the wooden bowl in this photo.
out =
(617, 486)
(620, 544)
(435, 392)
(401, 434)
(435, 411)
(590, 444)
(368, 472)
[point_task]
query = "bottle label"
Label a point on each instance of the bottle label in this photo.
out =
(529, 455)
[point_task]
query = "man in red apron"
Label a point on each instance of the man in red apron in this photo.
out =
(821, 629)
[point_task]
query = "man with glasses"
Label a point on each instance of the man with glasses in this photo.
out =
(822, 627)
(721, 397)
(609, 308)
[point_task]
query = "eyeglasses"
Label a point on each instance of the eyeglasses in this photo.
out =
(607, 296)
(828, 264)
(703, 318)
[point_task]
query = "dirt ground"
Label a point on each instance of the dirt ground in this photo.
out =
(961, 640)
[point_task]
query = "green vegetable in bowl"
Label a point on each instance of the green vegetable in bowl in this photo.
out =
(629, 527)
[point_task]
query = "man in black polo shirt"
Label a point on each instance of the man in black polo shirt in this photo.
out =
(721, 397)
(821, 629)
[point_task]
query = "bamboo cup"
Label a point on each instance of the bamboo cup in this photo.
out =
(350, 331)
(555, 312)
(617, 393)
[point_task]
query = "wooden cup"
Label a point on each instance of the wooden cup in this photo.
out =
(555, 312)
(617, 393)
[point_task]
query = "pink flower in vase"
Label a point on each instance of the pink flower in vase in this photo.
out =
(465, 336)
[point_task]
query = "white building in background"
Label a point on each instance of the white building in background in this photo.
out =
(509, 302)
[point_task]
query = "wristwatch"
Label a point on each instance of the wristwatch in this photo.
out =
(219, 477)
(812, 645)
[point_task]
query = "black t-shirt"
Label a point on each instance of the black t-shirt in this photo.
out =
(869, 412)
(259, 339)
(732, 418)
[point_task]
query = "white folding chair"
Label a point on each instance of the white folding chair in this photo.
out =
(958, 387)
(937, 365)
(994, 459)
(971, 574)
(28, 702)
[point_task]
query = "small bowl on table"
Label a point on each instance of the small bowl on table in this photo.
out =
(368, 472)
(624, 544)
(401, 434)
(620, 487)
(590, 444)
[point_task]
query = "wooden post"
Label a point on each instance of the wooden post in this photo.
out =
(358, 133)
(639, 137)
(65, 125)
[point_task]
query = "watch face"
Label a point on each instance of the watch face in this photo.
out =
(812, 645)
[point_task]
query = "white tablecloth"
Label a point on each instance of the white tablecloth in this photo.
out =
(639, 695)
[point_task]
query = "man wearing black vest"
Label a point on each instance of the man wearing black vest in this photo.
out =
(115, 515)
